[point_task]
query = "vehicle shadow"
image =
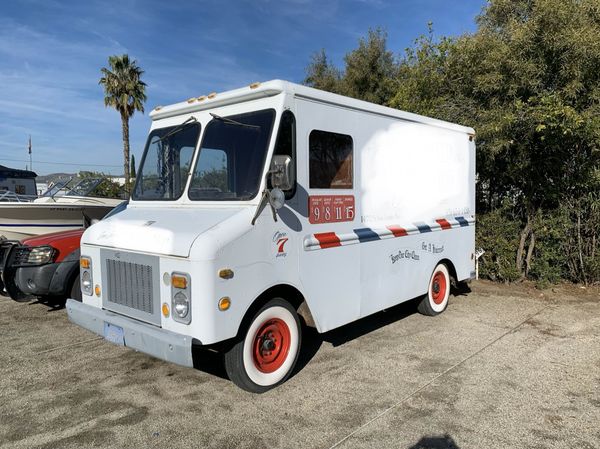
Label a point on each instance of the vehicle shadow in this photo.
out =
(441, 442)
(212, 361)
(209, 361)
(312, 340)
(364, 326)
(461, 289)
(53, 303)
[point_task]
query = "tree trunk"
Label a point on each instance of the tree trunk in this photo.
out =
(529, 252)
(125, 126)
(579, 246)
(524, 234)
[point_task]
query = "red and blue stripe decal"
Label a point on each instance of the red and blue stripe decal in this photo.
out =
(324, 240)
(366, 235)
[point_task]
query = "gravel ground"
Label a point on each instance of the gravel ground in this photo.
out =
(503, 367)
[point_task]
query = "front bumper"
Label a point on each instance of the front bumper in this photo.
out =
(6, 247)
(37, 280)
(143, 337)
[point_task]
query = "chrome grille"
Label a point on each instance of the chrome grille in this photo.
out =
(130, 285)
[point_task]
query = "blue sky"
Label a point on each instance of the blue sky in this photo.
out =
(51, 52)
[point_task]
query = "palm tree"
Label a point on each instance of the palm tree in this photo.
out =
(126, 92)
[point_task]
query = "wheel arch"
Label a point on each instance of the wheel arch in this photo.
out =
(65, 274)
(286, 292)
(451, 270)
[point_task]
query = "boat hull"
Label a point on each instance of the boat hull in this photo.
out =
(21, 220)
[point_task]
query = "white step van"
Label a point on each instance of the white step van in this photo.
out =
(263, 205)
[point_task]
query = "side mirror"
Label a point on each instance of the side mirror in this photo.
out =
(282, 172)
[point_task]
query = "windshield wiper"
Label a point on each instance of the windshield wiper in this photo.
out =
(233, 122)
(177, 129)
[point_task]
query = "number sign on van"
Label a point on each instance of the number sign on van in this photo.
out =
(330, 208)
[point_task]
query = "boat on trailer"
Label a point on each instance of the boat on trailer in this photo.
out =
(61, 208)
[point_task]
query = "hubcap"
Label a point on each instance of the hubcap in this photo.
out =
(271, 345)
(438, 287)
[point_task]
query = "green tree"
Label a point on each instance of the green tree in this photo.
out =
(527, 81)
(108, 188)
(132, 171)
(126, 92)
(370, 69)
(322, 74)
(368, 74)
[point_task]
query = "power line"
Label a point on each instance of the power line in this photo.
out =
(61, 163)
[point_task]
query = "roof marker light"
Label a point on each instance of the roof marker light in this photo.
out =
(191, 100)
(226, 273)
(254, 85)
(212, 95)
(202, 98)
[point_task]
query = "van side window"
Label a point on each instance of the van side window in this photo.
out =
(330, 160)
(286, 144)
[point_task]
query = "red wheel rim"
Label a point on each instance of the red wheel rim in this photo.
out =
(271, 345)
(438, 287)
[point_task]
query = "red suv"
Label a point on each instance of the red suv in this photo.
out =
(43, 266)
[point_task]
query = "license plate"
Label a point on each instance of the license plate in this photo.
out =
(114, 334)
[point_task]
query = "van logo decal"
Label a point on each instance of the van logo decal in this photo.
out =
(280, 239)
(324, 240)
(281, 243)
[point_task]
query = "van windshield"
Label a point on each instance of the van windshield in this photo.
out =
(166, 162)
(232, 157)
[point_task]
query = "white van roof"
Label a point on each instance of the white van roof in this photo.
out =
(275, 87)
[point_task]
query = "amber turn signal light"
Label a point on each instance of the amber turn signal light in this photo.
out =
(224, 303)
(179, 281)
(165, 310)
(84, 262)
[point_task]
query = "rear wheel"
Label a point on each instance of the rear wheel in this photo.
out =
(438, 292)
(267, 353)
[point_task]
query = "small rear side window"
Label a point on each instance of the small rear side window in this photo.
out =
(330, 160)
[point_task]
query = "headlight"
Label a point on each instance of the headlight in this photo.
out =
(87, 281)
(27, 256)
(181, 305)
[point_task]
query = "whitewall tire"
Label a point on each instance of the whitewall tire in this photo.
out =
(268, 350)
(438, 292)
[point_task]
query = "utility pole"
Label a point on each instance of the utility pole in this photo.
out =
(30, 157)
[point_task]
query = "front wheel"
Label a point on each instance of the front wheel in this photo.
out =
(267, 353)
(438, 292)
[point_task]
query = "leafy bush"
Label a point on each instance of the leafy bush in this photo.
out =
(567, 244)
(548, 265)
(498, 234)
